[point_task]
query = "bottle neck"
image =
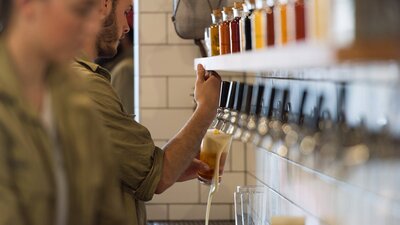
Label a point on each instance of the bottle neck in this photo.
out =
(227, 16)
(237, 13)
(215, 19)
(261, 4)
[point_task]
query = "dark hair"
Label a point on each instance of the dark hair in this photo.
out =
(5, 9)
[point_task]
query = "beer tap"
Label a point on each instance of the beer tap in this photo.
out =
(275, 125)
(222, 103)
(229, 109)
(266, 116)
(256, 106)
(244, 111)
(234, 119)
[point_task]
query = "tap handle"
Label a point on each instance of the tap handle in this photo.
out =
(271, 103)
(317, 112)
(223, 95)
(231, 95)
(285, 99)
(341, 108)
(238, 97)
(301, 110)
(247, 95)
(257, 100)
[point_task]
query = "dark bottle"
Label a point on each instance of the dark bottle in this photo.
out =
(235, 27)
(270, 24)
(248, 25)
(299, 10)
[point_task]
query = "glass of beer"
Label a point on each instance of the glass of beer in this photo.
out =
(214, 150)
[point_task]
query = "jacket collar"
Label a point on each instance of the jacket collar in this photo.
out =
(93, 67)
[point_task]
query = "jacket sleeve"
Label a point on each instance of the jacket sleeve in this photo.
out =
(140, 162)
(9, 208)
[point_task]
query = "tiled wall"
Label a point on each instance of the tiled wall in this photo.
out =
(364, 194)
(166, 80)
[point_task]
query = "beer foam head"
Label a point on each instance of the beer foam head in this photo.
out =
(215, 140)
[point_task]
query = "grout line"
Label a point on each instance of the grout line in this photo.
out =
(168, 209)
(167, 44)
(166, 29)
(167, 92)
(155, 12)
(166, 108)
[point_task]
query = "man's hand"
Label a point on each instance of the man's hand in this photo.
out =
(207, 88)
(191, 172)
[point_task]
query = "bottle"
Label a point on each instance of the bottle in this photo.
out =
(248, 25)
(235, 27)
(242, 28)
(270, 26)
(224, 31)
(282, 14)
(259, 23)
(300, 18)
(214, 31)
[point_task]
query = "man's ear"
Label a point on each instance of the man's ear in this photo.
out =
(105, 7)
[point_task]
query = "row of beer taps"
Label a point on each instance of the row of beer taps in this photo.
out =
(264, 116)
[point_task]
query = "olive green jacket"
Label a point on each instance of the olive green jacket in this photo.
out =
(140, 162)
(27, 184)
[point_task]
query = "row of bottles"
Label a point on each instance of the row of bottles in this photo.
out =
(263, 116)
(258, 24)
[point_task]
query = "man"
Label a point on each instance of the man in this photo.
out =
(55, 164)
(145, 169)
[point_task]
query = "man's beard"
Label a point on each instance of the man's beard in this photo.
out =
(107, 37)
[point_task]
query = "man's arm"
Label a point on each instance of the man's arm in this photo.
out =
(180, 151)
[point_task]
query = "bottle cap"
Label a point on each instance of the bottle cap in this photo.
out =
(227, 9)
(223, 95)
(238, 5)
(217, 12)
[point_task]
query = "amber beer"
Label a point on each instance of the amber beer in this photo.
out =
(214, 142)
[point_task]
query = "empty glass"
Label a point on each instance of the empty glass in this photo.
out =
(251, 205)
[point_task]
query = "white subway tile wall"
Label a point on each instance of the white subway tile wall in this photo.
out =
(164, 123)
(153, 93)
(157, 212)
(155, 6)
(167, 79)
(180, 92)
(181, 192)
(152, 29)
(168, 60)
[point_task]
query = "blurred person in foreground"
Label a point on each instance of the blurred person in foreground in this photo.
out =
(144, 168)
(55, 164)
